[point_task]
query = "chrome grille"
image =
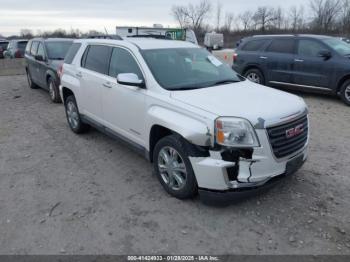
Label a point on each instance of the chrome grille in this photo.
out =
(284, 145)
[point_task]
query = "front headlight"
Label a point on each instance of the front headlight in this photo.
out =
(235, 132)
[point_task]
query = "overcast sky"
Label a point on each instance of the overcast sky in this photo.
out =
(97, 14)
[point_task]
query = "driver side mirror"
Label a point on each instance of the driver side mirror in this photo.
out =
(130, 79)
(325, 54)
(39, 58)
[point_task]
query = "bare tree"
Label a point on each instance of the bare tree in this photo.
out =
(218, 15)
(193, 15)
(229, 19)
(179, 14)
(26, 33)
(279, 18)
(246, 19)
(325, 13)
(296, 16)
(263, 17)
(345, 16)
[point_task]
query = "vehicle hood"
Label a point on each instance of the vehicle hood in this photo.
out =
(261, 105)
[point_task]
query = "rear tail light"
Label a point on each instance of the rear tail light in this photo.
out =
(18, 54)
(60, 71)
(235, 57)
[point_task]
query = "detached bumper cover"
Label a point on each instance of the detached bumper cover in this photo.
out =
(215, 197)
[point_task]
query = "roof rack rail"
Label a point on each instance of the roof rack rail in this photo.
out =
(113, 37)
(151, 36)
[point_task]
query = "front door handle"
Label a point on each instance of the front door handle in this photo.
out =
(298, 60)
(263, 57)
(79, 74)
(107, 84)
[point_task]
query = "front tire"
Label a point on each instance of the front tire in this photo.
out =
(173, 168)
(345, 92)
(73, 116)
(53, 91)
(255, 75)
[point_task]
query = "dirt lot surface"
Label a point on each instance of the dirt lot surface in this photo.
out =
(66, 194)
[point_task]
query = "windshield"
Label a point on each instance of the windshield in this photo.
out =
(58, 50)
(22, 45)
(188, 68)
(338, 45)
(4, 45)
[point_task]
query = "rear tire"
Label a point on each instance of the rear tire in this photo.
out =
(255, 75)
(175, 174)
(30, 81)
(73, 116)
(53, 91)
(345, 92)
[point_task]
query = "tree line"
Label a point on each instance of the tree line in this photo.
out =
(316, 16)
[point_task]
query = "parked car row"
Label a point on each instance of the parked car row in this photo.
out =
(299, 62)
(44, 58)
(205, 128)
(3, 47)
(15, 49)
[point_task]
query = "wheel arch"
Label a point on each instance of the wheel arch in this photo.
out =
(50, 74)
(164, 122)
(252, 66)
(341, 82)
(66, 92)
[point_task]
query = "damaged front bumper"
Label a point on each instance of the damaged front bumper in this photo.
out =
(221, 179)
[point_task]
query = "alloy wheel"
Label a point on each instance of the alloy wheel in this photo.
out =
(172, 168)
(52, 91)
(29, 79)
(254, 78)
(73, 115)
(347, 93)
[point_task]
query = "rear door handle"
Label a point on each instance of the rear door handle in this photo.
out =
(79, 74)
(107, 84)
(298, 60)
(263, 57)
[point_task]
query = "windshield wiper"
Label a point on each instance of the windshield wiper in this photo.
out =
(223, 82)
(185, 88)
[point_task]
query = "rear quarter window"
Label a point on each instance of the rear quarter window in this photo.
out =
(254, 45)
(73, 50)
(96, 58)
(285, 45)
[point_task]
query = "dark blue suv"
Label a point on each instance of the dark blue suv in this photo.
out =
(309, 62)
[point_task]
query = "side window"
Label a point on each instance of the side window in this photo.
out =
(73, 50)
(123, 62)
(309, 48)
(34, 48)
(41, 50)
(97, 58)
(285, 45)
(254, 45)
(29, 45)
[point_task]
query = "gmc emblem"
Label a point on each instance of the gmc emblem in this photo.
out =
(293, 132)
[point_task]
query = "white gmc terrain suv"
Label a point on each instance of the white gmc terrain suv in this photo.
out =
(204, 127)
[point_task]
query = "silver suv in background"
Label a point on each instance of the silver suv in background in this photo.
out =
(205, 128)
(16, 48)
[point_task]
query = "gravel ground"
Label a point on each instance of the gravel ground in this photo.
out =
(66, 194)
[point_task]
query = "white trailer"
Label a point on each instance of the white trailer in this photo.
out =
(158, 32)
